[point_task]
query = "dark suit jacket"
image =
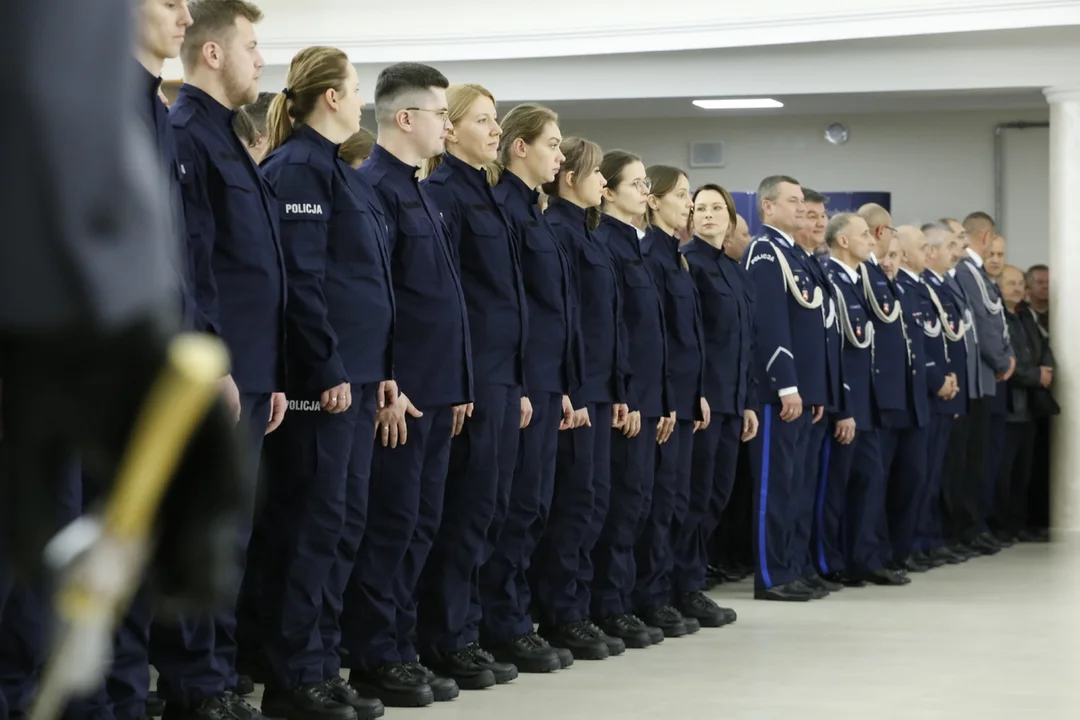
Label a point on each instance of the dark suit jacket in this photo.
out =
(1027, 399)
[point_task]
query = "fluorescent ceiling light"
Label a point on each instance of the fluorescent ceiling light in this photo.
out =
(739, 104)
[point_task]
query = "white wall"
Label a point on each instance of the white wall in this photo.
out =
(933, 164)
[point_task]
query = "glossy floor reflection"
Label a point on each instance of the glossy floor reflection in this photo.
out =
(993, 638)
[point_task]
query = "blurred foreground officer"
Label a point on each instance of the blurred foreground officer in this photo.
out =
(848, 548)
(232, 225)
(649, 405)
(946, 311)
(88, 304)
(529, 156)
(433, 363)
(727, 311)
(250, 122)
(483, 456)
(340, 320)
(794, 390)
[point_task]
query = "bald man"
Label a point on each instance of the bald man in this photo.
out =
(912, 481)
(995, 258)
(996, 365)
(736, 245)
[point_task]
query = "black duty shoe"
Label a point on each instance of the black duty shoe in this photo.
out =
(566, 658)
(1006, 538)
(469, 672)
(816, 581)
(245, 686)
(227, 706)
(985, 545)
(307, 702)
(842, 577)
(701, 607)
(394, 685)
(792, 592)
(615, 646)
(964, 551)
(155, 706)
(579, 640)
(668, 619)
(624, 628)
(528, 655)
(816, 593)
(443, 688)
(945, 555)
(504, 672)
(884, 576)
(913, 565)
(656, 635)
(928, 559)
(367, 708)
(1034, 535)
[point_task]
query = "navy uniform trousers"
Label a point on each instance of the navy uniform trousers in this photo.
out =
(196, 655)
(478, 481)
(904, 458)
(852, 506)
(712, 478)
(777, 457)
(504, 585)
(812, 494)
(563, 571)
(405, 508)
(929, 533)
(670, 501)
(614, 564)
(318, 468)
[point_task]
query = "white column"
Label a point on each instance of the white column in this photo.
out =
(1065, 306)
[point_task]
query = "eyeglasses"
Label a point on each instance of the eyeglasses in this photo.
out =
(442, 113)
(643, 184)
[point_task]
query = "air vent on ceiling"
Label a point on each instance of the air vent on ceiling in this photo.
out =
(706, 154)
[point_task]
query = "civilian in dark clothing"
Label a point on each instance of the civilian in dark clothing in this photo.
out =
(1029, 399)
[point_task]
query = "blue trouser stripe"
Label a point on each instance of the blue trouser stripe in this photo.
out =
(763, 557)
(819, 510)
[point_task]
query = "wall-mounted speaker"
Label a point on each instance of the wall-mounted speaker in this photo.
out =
(706, 154)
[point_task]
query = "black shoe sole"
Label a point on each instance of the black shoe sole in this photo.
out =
(675, 631)
(582, 653)
(283, 709)
(444, 691)
(504, 677)
(656, 635)
(392, 698)
(766, 595)
(480, 681)
(566, 658)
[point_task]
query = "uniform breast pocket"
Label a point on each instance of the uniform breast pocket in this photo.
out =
(354, 241)
(636, 275)
(237, 177)
(415, 252)
(538, 240)
(484, 223)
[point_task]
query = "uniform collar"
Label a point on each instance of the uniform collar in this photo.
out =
(698, 245)
(476, 178)
(218, 112)
(910, 274)
(516, 185)
(850, 272)
(153, 82)
(382, 156)
(975, 257)
(787, 238)
(873, 259)
(314, 137)
(567, 208)
(621, 228)
(939, 278)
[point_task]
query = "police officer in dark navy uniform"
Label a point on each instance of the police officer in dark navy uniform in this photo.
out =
(940, 382)
(847, 545)
(239, 284)
(433, 365)
(340, 321)
(649, 398)
(483, 456)
(667, 214)
(811, 239)
(727, 308)
(564, 573)
(944, 312)
(89, 298)
(529, 156)
(900, 387)
(791, 359)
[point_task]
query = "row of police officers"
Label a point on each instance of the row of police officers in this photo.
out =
(470, 412)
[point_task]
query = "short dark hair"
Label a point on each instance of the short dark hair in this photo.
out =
(213, 21)
(769, 189)
(813, 196)
(978, 218)
(1029, 276)
(837, 226)
(400, 79)
(733, 215)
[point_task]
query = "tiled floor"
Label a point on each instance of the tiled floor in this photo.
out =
(994, 638)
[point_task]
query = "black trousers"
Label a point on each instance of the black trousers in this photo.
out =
(1039, 489)
(1014, 478)
(964, 472)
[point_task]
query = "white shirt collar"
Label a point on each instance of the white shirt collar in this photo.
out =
(940, 278)
(873, 258)
(790, 240)
(640, 232)
(851, 273)
(975, 257)
(911, 274)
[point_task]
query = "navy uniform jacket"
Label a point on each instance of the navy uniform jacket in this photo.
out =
(647, 341)
(854, 319)
(834, 364)
(892, 377)
(156, 116)
(232, 223)
(790, 348)
(988, 313)
(432, 351)
(340, 314)
(927, 374)
(554, 354)
(597, 288)
(86, 242)
(727, 311)
(949, 315)
(490, 270)
(682, 310)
